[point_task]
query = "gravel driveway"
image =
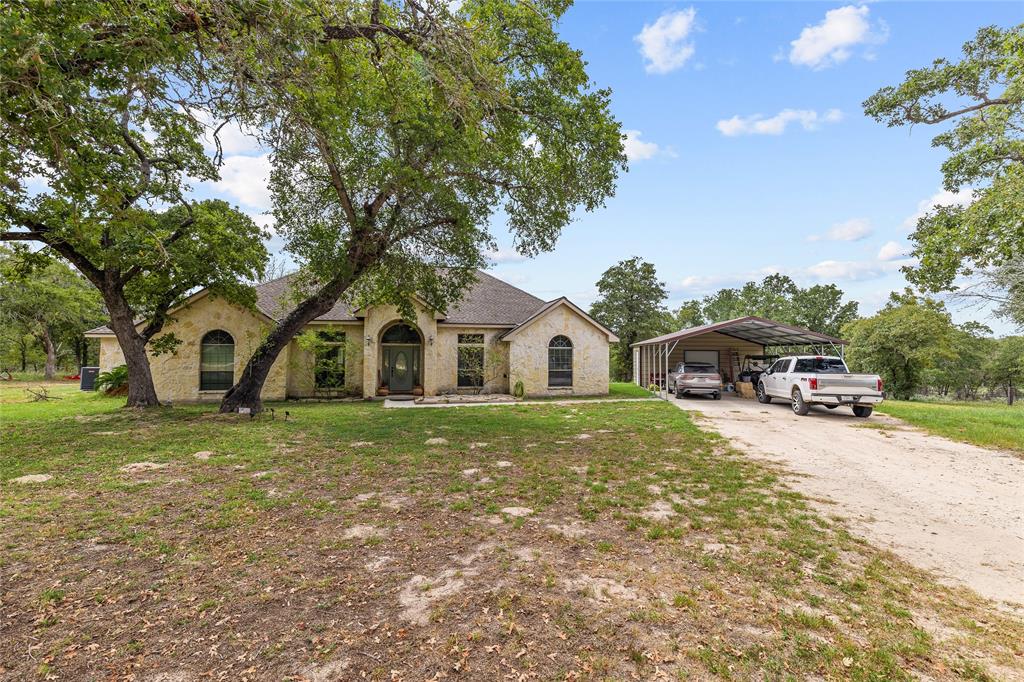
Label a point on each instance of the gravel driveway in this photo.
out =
(952, 508)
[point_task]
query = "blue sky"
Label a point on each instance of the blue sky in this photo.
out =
(749, 150)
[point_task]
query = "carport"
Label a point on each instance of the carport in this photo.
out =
(724, 344)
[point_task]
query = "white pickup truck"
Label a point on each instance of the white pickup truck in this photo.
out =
(807, 380)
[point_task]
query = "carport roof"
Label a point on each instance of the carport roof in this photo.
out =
(753, 329)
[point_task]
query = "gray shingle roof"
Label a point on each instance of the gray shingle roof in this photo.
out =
(487, 301)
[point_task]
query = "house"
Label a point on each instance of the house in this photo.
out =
(496, 336)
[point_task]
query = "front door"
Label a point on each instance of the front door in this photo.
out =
(400, 363)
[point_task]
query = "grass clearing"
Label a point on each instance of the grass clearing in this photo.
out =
(989, 425)
(338, 544)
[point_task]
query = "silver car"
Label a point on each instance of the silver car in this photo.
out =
(695, 377)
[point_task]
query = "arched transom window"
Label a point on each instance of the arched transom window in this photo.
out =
(560, 361)
(216, 361)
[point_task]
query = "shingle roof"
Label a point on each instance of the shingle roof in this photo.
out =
(487, 301)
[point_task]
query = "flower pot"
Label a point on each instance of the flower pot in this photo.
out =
(417, 390)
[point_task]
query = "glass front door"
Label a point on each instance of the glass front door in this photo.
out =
(401, 368)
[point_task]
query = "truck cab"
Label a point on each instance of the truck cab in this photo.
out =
(807, 380)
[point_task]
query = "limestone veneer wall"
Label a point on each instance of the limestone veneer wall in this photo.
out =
(528, 354)
(379, 318)
(176, 375)
(301, 377)
(496, 367)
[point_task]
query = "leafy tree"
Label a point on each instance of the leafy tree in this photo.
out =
(964, 372)
(903, 340)
(46, 300)
(398, 129)
(1006, 366)
(776, 297)
(979, 104)
(101, 122)
(689, 314)
(630, 303)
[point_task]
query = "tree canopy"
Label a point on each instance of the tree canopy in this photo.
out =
(630, 303)
(777, 297)
(102, 138)
(978, 104)
(400, 129)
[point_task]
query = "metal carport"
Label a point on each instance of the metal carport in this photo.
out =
(652, 358)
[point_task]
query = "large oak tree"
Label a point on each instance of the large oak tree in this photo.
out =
(398, 130)
(101, 137)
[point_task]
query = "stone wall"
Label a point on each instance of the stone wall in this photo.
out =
(176, 375)
(376, 321)
(495, 370)
(528, 354)
(301, 371)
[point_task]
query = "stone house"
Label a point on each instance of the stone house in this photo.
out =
(496, 336)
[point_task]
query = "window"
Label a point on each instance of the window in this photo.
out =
(820, 366)
(216, 361)
(329, 365)
(401, 333)
(471, 361)
(560, 361)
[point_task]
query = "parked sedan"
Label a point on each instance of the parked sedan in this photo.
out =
(695, 377)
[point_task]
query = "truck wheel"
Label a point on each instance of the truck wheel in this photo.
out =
(718, 396)
(762, 396)
(799, 406)
(862, 411)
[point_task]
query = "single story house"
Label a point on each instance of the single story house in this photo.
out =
(496, 336)
(722, 344)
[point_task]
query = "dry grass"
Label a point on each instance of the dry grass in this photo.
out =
(601, 541)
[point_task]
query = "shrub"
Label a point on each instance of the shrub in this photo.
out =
(114, 382)
(519, 390)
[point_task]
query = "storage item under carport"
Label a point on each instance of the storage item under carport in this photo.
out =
(88, 378)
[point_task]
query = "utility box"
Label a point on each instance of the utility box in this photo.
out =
(88, 378)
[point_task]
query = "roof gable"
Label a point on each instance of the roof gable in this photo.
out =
(553, 305)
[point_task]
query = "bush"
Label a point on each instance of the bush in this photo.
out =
(519, 390)
(114, 382)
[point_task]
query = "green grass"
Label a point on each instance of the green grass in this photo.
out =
(17, 404)
(989, 425)
(295, 543)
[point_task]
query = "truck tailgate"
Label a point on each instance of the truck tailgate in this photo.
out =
(847, 383)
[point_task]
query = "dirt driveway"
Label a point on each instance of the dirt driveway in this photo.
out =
(952, 508)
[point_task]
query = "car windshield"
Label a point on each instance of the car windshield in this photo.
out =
(822, 365)
(700, 369)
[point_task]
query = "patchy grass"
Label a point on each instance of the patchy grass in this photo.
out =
(591, 541)
(616, 389)
(989, 425)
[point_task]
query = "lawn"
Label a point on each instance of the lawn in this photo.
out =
(607, 540)
(990, 425)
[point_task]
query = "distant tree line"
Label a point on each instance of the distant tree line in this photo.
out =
(912, 342)
(45, 306)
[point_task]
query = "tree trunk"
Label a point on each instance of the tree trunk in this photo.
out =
(141, 392)
(23, 347)
(1010, 394)
(247, 390)
(50, 369)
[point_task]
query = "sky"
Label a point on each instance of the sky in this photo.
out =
(749, 150)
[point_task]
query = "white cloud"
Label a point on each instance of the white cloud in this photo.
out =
(852, 270)
(244, 178)
(664, 43)
(832, 40)
(892, 251)
(637, 149)
(943, 197)
(499, 256)
(851, 230)
(757, 124)
(233, 140)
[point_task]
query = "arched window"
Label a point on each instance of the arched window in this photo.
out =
(400, 333)
(560, 361)
(216, 361)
